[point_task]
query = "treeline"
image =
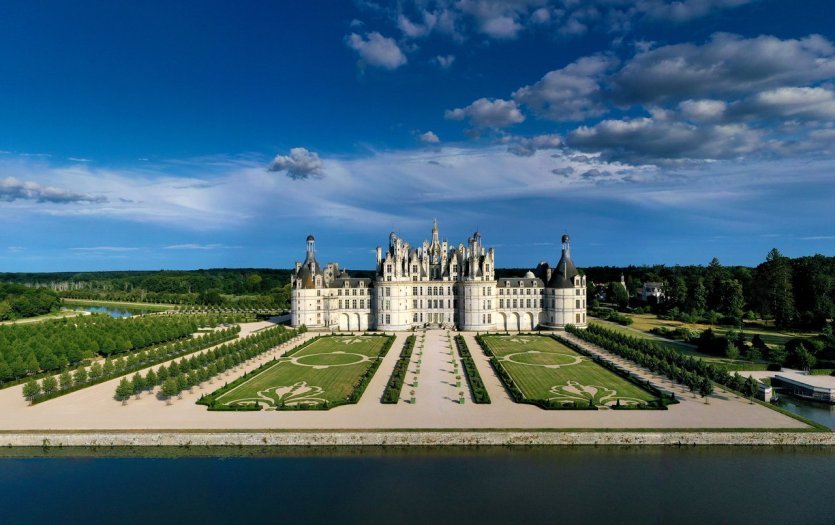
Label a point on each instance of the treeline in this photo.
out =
(261, 287)
(18, 301)
(795, 292)
(27, 349)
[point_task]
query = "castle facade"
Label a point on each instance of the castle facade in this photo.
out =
(437, 284)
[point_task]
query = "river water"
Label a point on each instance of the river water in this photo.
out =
(461, 485)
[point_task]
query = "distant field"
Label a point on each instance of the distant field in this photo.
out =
(681, 347)
(771, 336)
(156, 307)
(545, 369)
(326, 370)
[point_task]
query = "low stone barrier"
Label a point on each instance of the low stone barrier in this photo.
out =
(410, 438)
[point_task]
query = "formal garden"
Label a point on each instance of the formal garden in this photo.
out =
(322, 373)
(542, 371)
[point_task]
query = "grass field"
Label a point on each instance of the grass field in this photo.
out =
(683, 348)
(324, 371)
(151, 307)
(545, 369)
(771, 336)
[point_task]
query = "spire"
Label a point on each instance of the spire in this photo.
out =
(434, 231)
(311, 247)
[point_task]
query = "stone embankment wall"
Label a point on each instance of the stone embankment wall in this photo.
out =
(415, 438)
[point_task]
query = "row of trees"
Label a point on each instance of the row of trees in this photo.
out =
(18, 301)
(27, 349)
(391, 394)
(72, 380)
(694, 373)
(792, 292)
(189, 372)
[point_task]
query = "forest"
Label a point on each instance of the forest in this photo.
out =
(18, 301)
(793, 293)
(245, 287)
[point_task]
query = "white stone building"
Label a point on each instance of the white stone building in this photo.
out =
(437, 284)
(652, 292)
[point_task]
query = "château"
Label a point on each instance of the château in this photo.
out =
(437, 284)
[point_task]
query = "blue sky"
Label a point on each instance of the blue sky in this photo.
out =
(190, 135)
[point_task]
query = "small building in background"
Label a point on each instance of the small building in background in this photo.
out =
(652, 292)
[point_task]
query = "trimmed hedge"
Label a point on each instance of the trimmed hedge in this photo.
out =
(480, 395)
(391, 394)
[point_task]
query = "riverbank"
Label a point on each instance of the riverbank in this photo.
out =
(439, 438)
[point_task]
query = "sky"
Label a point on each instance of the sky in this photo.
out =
(182, 135)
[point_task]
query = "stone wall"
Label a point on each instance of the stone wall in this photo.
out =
(416, 438)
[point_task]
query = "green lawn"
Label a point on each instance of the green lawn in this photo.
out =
(544, 369)
(326, 370)
(151, 307)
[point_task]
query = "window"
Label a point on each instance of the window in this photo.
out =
(414, 268)
(578, 318)
(388, 292)
(340, 304)
(489, 290)
(578, 304)
(448, 290)
(501, 291)
(421, 317)
(388, 278)
(354, 291)
(318, 293)
(483, 318)
(514, 303)
(362, 303)
(414, 318)
(339, 292)
(388, 268)
(448, 303)
(355, 304)
(414, 290)
(489, 318)
(388, 319)
(387, 305)
(489, 304)
(501, 303)
(414, 303)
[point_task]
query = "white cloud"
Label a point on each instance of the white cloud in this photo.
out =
(300, 164)
(444, 61)
(195, 246)
(484, 113)
(647, 140)
(376, 50)
(726, 64)
(570, 93)
(808, 103)
(429, 138)
(12, 189)
(527, 146)
(105, 249)
(703, 110)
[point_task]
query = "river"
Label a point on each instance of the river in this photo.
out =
(461, 485)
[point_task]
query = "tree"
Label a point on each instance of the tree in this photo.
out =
(676, 293)
(615, 293)
(804, 358)
(774, 288)
(732, 298)
(123, 390)
(80, 376)
(150, 380)
(137, 384)
(750, 387)
(96, 371)
(31, 390)
(705, 387)
(66, 380)
(698, 298)
(170, 388)
(714, 276)
(50, 384)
